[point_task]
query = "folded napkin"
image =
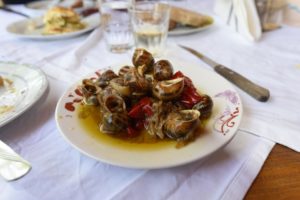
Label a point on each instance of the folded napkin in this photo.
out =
(252, 17)
(241, 15)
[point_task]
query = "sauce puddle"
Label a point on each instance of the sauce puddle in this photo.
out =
(89, 118)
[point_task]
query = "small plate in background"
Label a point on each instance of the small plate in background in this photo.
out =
(184, 30)
(23, 86)
(26, 28)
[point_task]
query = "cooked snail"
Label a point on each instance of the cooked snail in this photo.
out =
(136, 83)
(124, 70)
(147, 96)
(143, 60)
(119, 85)
(168, 89)
(204, 106)
(181, 125)
(89, 91)
(105, 77)
(162, 70)
(113, 123)
(111, 101)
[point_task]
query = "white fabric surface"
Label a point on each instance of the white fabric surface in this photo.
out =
(241, 15)
(61, 172)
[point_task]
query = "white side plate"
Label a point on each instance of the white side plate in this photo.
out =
(184, 30)
(28, 85)
(22, 28)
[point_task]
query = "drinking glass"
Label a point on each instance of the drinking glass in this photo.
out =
(116, 26)
(150, 23)
(270, 13)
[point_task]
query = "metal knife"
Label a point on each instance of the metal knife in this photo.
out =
(7, 9)
(259, 93)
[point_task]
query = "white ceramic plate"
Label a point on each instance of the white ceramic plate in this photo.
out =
(184, 30)
(45, 4)
(24, 28)
(219, 130)
(28, 85)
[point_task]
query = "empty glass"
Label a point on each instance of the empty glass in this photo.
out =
(116, 25)
(270, 13)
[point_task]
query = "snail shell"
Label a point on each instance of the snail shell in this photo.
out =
(181, 125)
(142, 60)
(89, 91)
(119, 85)
(162, 70)
(168, 89)
(103, 80)
(124, 70)
(204, 106)
(136, 82)
(111, 101)
(113, 123)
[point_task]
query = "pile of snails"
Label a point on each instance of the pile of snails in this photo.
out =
(149, 92)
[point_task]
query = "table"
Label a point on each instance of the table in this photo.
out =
(279, 177)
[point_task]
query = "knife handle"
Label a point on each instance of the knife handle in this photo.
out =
(256, 91)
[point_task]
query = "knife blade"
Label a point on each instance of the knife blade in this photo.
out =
(258, 92)
(7, 9)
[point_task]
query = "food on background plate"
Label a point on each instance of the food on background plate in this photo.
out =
(77, 4)
(1, 82)
(6, 89)
(147, 97)
(183, 17)
(61, 20)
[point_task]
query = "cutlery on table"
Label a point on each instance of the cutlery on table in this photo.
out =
(12, 166)
(259, 93)
(7, 9)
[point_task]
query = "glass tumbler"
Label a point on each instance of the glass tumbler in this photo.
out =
(150, 23)
(116, 26)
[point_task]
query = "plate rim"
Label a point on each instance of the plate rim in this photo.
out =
(50, 37)
(134, 166)
(190, 31)
(43, 89)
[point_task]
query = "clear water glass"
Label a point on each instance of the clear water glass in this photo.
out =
(118, 37)
(150, 23)
(115, 23)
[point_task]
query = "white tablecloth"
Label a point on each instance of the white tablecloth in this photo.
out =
(61, 172)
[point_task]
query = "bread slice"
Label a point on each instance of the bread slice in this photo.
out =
(189, 18)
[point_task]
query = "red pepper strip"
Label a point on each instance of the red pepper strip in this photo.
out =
(189, 96)
(139, 124)
(187, 81)
(136, 112)
(148, 110)
(139, 110)
(131, 132)
(178, 74)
